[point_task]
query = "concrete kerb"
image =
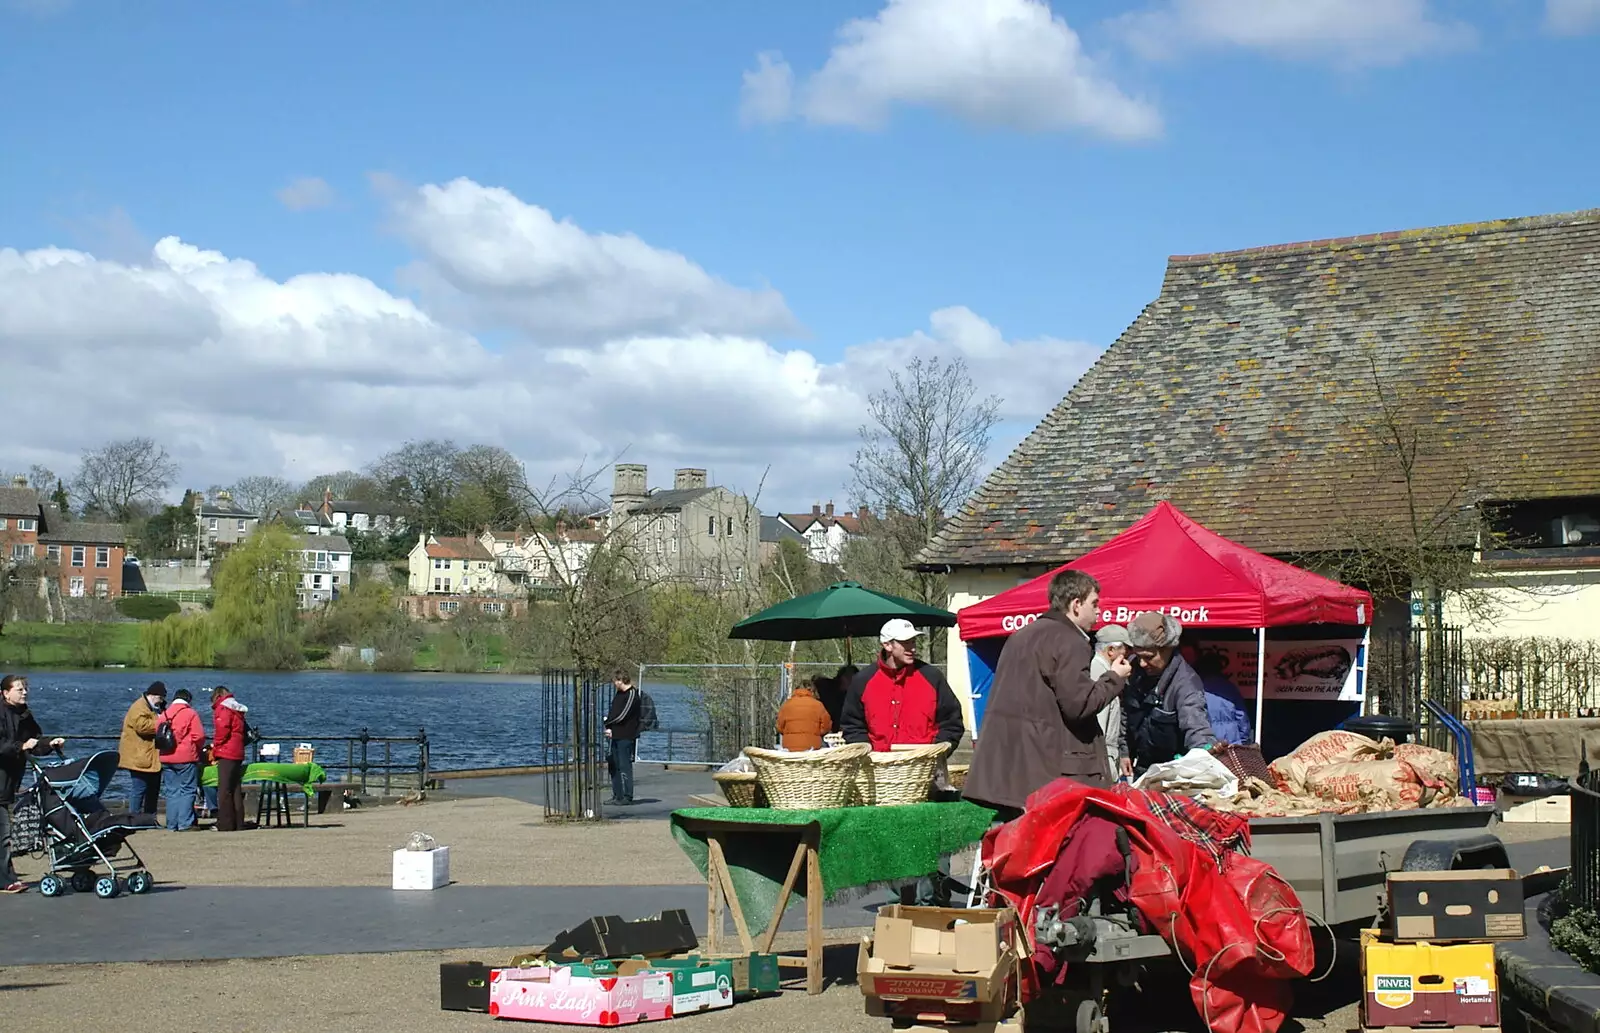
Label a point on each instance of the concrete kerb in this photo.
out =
(1547, 985)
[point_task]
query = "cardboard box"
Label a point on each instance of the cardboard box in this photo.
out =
(305, 753)
(464, 986)
(754, 975)
(941, 965)
(422, 869)
(698, 984)
(1444, 907)
(1545, 810)
(1427, 984)
(578, 995)
(609, 936)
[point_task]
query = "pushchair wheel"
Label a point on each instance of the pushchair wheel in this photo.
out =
(107, 887)
(51, 886)
(140, 882)
(82, 882)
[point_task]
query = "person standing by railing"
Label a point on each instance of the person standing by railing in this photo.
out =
(180, 760)
(136, 749)
(622, 729)
(227, 746)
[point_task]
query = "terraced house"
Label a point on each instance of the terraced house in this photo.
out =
(1297, 396)
(83, 559)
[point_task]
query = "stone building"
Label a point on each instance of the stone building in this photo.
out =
(693, 532)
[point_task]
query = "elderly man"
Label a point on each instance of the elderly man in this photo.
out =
(1164, 704)
(1110, 645)
(1040, 722)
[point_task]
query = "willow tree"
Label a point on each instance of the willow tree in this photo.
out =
(257, 610)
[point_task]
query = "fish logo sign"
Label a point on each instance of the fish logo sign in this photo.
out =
(1393, 991)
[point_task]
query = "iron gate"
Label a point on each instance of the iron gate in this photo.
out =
(574, 744)
(1409, 665)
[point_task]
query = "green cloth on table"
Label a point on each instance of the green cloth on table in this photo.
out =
(858, 846)
(301, 775)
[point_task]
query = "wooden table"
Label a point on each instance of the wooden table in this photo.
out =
(722, 902)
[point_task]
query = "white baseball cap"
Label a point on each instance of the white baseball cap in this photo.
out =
(898, 630)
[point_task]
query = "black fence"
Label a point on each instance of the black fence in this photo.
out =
(374, 764)
(1586, 838)
(739, 711)
(1408, 665)
(572, 738)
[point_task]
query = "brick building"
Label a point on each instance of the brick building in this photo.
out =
(86, 557)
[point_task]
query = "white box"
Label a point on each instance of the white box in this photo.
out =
(1548, 810)
(422, 869)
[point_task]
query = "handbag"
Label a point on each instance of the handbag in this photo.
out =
(166, 738)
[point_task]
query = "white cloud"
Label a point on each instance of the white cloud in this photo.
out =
(1009, 63)
(1571, 17)
(306, 193)
(1343, 32)
(768, 94)
(493, 258)
(237, 373)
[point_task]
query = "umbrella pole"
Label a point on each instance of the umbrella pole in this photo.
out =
(847, 659)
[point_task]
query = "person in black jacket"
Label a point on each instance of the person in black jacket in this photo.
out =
(19, 736)
(622, 729)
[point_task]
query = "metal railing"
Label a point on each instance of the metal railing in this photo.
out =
(370, 761)
(1585, 841)
(574, 744)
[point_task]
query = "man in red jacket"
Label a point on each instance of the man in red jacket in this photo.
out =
(227, 746)
(180, 766)
(901, 700)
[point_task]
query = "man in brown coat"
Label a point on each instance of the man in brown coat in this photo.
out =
(1041, 722)
(136, 749)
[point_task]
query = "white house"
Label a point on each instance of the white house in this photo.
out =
(824, 532)
(533, 558)
(324, 569)
(454, 566)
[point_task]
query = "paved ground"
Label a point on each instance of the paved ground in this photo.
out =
(323, 892)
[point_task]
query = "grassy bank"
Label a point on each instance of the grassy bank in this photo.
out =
(31, 644)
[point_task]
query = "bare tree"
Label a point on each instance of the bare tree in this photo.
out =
(922, 455)
(422, 476)
(41, 478)
(345, 484)
(119, 478)
(263, 494)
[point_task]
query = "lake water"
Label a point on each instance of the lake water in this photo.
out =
(472, 721)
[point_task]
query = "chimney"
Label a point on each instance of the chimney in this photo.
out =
(688, 479)
(19, 481)
(863, 513)
(816, 510)
(224, 495)
(830, 511)
(628, 485)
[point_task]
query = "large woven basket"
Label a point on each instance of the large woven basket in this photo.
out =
(741, 788)
(902, 775)
(811, 781)
(958, 776)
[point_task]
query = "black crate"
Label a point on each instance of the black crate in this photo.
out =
(464, 986)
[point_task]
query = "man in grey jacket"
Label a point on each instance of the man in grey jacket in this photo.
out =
(1164, 705)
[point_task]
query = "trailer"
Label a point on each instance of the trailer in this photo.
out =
(1336, 863)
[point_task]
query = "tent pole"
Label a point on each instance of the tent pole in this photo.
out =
(1261, 678)
(1366, 659)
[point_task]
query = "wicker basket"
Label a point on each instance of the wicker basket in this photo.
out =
(810, 781)
(1244, 761)
(903, 775)
(958, 776)
(742, 788)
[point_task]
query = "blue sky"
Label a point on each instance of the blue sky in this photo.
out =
(1032, 174)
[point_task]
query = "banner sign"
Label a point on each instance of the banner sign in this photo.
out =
(1327, 669)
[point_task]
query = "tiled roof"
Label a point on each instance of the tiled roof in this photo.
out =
(19, 502)
(369, 508)
(457, 549)
(850, 522)
(1245, 393)
(324, 543)
(231, 510)
(81, 533)
(667, 500)
(773, 529)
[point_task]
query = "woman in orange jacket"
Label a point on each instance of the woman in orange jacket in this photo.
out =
(803, 720)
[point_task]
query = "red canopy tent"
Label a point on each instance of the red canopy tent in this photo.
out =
(1170, 563)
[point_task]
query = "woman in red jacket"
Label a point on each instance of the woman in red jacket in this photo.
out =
(227, 746)
(180, 766)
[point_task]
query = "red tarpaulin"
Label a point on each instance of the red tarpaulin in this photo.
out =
(1167, 562)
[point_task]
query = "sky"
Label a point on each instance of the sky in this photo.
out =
(283, 237)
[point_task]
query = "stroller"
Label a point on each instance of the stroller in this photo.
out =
(61, 817)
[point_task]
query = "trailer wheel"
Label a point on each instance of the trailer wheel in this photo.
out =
(1446, 855)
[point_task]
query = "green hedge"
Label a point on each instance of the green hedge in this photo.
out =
(147, 607)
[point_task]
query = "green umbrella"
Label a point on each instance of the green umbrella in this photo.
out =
(842, 610)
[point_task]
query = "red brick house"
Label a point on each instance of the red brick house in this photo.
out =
(87, 557)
